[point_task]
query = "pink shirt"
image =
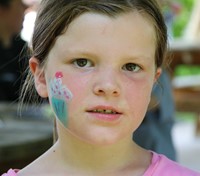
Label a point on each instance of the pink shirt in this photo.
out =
(11, 172)
(160, 166)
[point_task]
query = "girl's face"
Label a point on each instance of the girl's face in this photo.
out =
(99, 76)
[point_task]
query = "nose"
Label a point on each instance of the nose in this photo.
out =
(107, 84)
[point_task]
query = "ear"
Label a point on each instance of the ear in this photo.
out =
(39, 77)
(157, 74)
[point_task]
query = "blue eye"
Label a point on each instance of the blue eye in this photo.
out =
(82, 62)
(131, 67)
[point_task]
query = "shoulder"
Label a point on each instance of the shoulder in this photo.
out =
(161, 165)
(11, 172)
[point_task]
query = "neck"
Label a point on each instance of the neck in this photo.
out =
(89, 158)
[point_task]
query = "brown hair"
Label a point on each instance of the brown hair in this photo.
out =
(54, 16)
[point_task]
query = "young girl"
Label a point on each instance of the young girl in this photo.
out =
(97, 61)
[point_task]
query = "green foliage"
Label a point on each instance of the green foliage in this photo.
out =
(183, 17)
(185, 70)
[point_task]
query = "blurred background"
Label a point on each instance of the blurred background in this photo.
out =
(26, 134)
(184, 27)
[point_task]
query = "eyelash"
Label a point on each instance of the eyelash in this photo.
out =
(86, 63)
(75, 62)
(129, 67)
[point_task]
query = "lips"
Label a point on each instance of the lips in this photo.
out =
(104, 113)
(104, 110)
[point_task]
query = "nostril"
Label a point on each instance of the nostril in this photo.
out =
(100, 92)
(106, 89)
(115, 93)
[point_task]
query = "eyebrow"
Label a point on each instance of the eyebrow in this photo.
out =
(138, 56)
(77, 52)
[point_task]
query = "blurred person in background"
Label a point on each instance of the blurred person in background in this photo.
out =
(11, 46)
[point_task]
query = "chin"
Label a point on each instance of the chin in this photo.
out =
(96, 136)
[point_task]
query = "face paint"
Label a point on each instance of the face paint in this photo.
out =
(60, 95)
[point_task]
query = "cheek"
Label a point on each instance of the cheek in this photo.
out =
(139, 92)
(78, 86)
(138, 98)
(59, 96)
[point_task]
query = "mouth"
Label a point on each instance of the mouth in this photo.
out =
(104, 111)
(105, 114)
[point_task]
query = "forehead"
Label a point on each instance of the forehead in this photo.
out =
(92, 31)
(129, 18)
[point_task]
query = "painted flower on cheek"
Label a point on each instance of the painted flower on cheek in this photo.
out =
(59, 95)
